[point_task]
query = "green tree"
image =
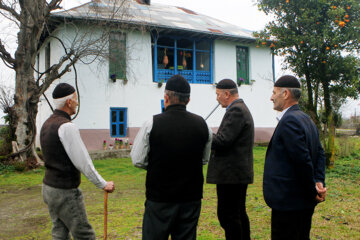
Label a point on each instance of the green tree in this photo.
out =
(318, 39)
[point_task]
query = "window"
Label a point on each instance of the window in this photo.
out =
(47, 56)
(190, 58)
(117, 55)
(118, 122)
(162, 105)
(242, 64)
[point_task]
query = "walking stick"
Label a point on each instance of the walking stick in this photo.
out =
(212, 112)
(105, 214)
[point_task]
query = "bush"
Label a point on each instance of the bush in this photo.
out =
(5, 140)
(4, 168)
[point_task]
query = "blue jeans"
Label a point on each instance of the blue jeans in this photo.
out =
(68, 214)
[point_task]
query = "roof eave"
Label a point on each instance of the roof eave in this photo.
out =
(213, 35)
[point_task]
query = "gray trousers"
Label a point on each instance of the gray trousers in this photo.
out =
(163, 219)
(68, 214)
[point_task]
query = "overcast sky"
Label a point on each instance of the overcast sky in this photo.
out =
(243, 13)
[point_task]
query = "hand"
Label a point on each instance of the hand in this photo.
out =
(109, 187)
(320, 197)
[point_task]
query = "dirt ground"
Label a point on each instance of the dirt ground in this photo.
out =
(22, 211)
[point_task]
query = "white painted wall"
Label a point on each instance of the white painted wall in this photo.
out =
(142, 96)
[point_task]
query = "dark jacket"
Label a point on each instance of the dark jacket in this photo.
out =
(60, 172)
(294, 162)
(232, 145)
(177, 143)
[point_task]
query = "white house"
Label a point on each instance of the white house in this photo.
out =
(118, 95)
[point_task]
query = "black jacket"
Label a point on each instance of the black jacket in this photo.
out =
(177, 144)
(232, 145)
(294, 162)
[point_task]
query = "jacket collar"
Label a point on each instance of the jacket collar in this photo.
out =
(235, 101)
(175, 107)
(62, 113)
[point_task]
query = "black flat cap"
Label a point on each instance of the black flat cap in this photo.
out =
(287, 81)
(62, 90)
(178, 83)
(226, 84)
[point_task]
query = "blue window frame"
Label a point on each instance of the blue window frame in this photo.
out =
(191, 58)
(118, 122)
(162, 105)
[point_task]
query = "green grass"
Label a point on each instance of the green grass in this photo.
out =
(23, 215)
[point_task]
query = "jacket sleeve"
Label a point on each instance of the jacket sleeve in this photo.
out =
(141, 147)
(230, 129)
(294, 139)
(319, 168)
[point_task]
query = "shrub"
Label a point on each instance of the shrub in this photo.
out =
(5, 140)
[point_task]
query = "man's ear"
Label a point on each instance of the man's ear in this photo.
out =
(287, 94)
(68, 103)
(166, 98)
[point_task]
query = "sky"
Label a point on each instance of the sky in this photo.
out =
(243, 13)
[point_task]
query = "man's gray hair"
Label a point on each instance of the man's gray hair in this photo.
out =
(295, 92)
(233, 91)
(60, 102)
(178, 98)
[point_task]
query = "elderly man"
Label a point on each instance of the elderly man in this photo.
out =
(172, 147)
(65, 157)
(294, 174)
(231, 166)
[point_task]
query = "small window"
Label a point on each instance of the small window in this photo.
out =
(242, 65)
(117, 55)
(118, 122)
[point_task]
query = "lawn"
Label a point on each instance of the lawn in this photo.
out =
(23, 215)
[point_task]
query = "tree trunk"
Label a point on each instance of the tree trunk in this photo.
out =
(26, 91)
(330, 146)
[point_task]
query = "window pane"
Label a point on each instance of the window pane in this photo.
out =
(117, 55)
(165, 41)
(242, 64)
(202, 61)
(184, 60)
(165, 58)
(113, 117)
(185, 43)
(113, 130)
(121, 129)
(121, 116)
(203, 45)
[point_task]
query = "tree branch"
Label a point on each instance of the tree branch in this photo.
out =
(6, 56)
(54, 70)
(54, 4)
(9, 10)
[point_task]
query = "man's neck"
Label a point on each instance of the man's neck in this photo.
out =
(290, 104)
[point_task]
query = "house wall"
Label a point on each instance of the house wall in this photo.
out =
(142, 96)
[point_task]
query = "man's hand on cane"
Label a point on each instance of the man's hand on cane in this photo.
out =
(109, 187)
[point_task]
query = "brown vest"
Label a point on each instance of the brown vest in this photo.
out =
(60, 171)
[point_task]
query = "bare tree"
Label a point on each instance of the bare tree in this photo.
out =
(36, 25)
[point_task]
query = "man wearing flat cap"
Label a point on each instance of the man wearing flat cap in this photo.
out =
(65, 157)
(173, 147)
(231, 164)
(294, 173)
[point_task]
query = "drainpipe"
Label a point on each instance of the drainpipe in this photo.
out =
(273, 66)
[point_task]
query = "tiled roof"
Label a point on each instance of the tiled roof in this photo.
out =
(158, 16)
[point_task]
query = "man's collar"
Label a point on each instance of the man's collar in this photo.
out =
(231, 103)
(281, 114)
